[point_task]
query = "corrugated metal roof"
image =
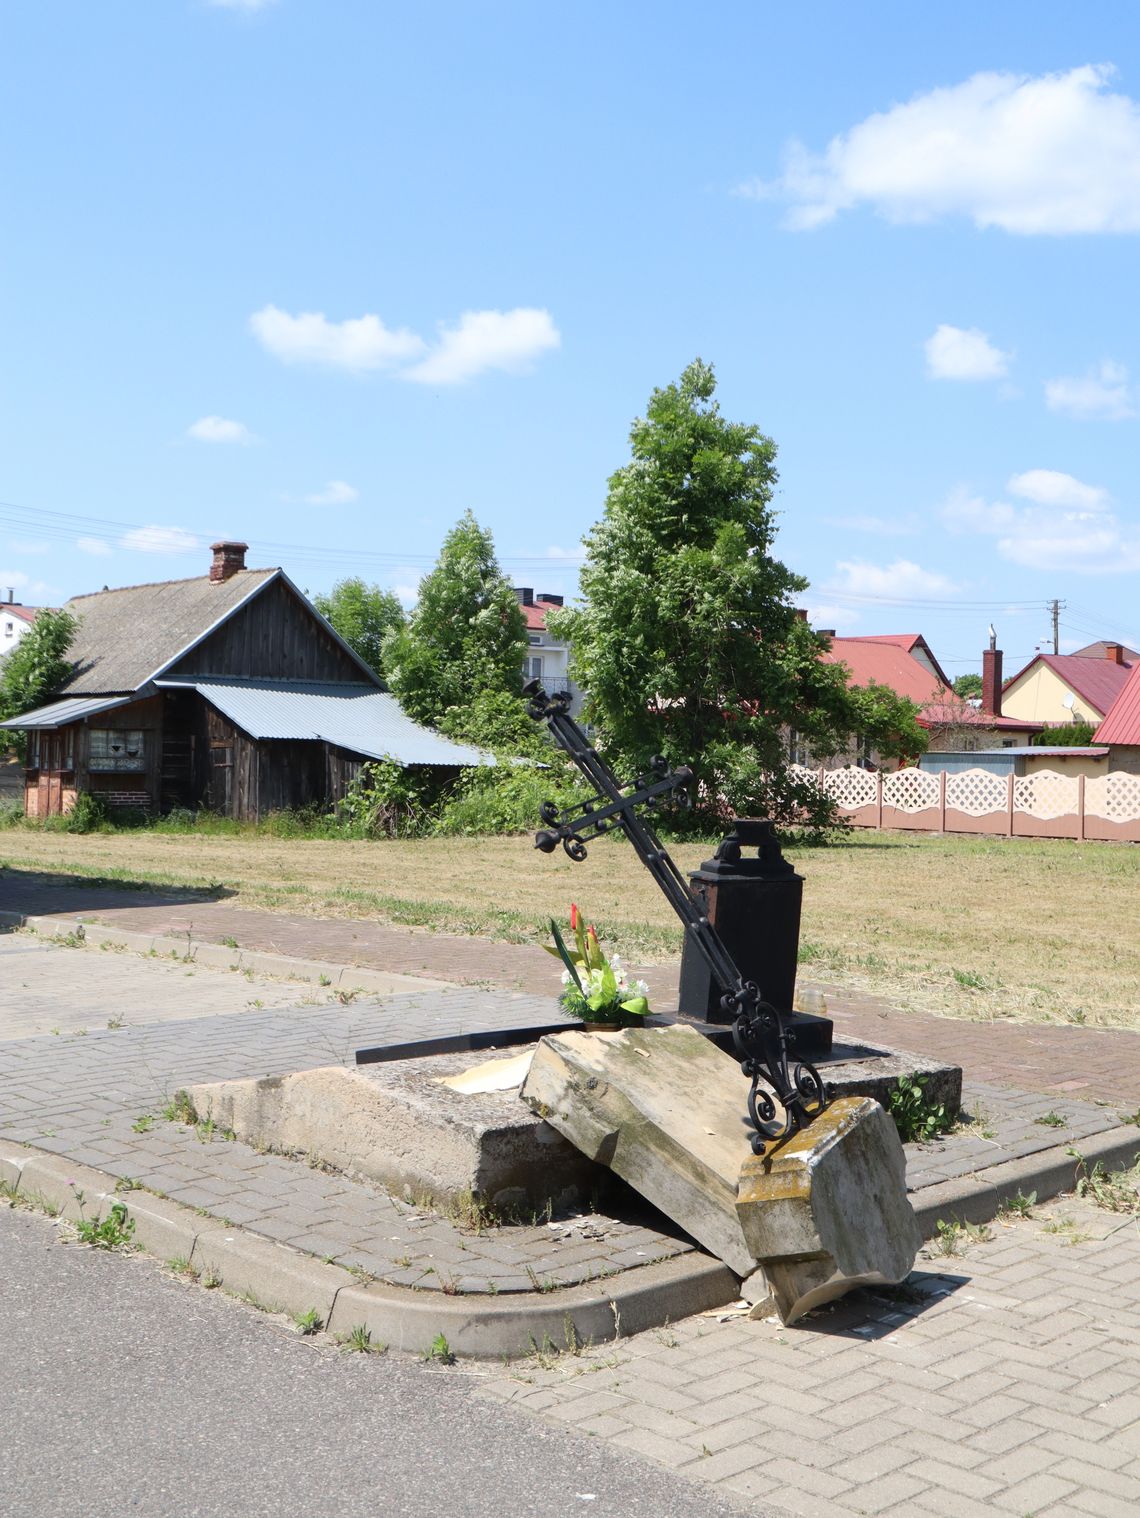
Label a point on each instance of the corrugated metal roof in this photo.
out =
(60, 713)
(1122, 721)
(1098, 681)
(355, 717)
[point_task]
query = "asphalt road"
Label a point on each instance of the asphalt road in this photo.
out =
(123, 1391)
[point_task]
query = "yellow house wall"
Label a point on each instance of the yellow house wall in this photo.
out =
(1067, 764)
(1037, 697)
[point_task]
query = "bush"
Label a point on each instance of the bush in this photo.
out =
(389, 800)
(87, 815)
(505, 798)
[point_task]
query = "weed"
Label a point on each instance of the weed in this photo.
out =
(309, 1322)
(448, 1285)
(359, 1341)
(181, 1266)
(116, 1022)
(440, 1351)
(115, 1231)
(143, 1123)
(228, 942)
(971, 980)
(1068, 1229)
(404, 1261)
(1118, 1191)
(1050, 1119)
(128, 1183)
(179, 1109)
(347, 996)
(324, 980)
(210, 1280)
(540, 1283)
(954, 1236)
(1018, 1206)
(917, 1117)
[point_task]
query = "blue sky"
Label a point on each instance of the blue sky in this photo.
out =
(322, 274)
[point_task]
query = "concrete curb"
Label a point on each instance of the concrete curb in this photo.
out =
(975, 1198)
(325, 973)
(279, 1278)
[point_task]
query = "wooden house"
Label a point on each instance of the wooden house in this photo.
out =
(229, 692)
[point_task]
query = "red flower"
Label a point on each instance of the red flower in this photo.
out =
(573, 917)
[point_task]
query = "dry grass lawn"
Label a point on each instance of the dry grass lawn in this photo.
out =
(975, 927)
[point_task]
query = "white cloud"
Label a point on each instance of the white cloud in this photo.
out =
(159, 540)
(219, 429)
(15, 579)
(335, 493)
(1052, 154)
(902, 579)
(1050, 487)
(963, 353)
(360, 344)
(877, 527)
(407, 585)
(1068, 525)
(820, 614)
(1104, 392)
(93, 546)
(479, 341)
(483, 340)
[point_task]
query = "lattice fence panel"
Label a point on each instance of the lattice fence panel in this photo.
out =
(851, 788)
(1045, 795)
(1115, 797)
(910, 790)
(976, 792)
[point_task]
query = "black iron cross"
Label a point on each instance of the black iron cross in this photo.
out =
(757, 1027)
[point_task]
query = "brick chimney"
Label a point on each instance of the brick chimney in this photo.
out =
(228, 559)
(1114, 653)
(991, 682)
(525, 594)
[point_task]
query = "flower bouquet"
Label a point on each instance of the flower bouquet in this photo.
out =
(596, 988)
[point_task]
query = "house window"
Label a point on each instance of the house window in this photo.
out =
(534, 639)
(532, 668)
(9, 629)
(117, 749)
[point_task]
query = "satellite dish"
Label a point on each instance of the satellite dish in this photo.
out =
(1067, 700)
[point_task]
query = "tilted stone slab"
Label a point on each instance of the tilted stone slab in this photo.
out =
(664, 1109)
(828, 1210)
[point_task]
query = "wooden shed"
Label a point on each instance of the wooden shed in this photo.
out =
(229, 691)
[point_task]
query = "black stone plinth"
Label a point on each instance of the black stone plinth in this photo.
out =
(754, 904)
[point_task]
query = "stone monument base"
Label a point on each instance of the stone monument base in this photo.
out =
(397, 1124)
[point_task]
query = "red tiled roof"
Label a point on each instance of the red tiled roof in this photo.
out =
(24, 613)
(888, 661)
(1097, 681)
(535, 614)
(1122, 722)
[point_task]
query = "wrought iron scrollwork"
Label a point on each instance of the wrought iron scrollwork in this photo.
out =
(782, 1098)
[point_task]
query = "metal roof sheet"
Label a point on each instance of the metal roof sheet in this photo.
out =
(359, 718)
(1098, 681)
(1122, 720)
(60, 713)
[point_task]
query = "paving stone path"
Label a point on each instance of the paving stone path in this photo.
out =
(1088, 1062)
(1002, 1381)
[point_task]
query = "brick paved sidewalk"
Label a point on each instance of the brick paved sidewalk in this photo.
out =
(1002, 1381)
(1098, 1064)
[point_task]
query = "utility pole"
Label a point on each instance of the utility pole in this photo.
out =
(1055, 608)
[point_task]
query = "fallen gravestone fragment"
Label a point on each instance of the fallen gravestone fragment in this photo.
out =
(665, 1110)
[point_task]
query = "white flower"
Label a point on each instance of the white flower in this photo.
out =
(566, 977)
(641, 987)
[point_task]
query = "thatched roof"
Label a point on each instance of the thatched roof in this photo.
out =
(126, 636)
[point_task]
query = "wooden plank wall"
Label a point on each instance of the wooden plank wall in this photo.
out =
(275, 637)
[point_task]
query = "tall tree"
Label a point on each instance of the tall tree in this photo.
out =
(363, 615)
(37, 666)
(464, 643)
(687, 641)
(968, 686)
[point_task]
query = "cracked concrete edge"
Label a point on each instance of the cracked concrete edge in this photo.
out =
(325, 973)
(976, 1198)
(279, 1278)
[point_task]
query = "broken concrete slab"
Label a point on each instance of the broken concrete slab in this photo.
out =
(664, 1109)
(828, 1210)
(396, 1124)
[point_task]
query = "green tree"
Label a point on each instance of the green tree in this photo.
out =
(464, 643)
(363, 615)
(968, 686)
(687, 641)
(1070, 735)
(36, 667)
